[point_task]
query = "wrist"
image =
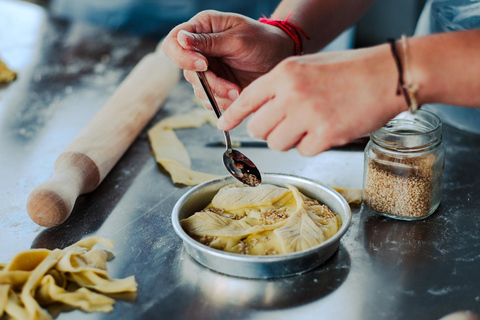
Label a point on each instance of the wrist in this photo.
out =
(422, 72)
(416, 69)
(390, 79)
(284, 41)
(292, 30)
(279, 42)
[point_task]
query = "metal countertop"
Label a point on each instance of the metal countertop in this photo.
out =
(384, 269)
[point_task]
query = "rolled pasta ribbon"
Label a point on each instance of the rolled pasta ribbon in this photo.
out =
(40, 283)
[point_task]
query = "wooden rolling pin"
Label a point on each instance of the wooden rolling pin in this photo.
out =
(89, 158)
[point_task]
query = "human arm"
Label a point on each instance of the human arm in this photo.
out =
(446, 68)
(322, 100)
(322, 20)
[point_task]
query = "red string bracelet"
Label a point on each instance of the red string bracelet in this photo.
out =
(292, 30)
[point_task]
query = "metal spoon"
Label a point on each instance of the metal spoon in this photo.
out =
(239, 166)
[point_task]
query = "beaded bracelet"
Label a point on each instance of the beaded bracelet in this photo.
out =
(408, 89)
(292, 30)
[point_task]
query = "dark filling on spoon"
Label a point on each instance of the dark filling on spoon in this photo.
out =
(243, 168)
(250, 179)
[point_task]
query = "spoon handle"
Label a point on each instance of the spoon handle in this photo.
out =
(213, 102)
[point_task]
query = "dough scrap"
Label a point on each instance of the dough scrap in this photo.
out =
(264, 220)
(170, 151)
(39, 283)
(6, 75)
(351, 195)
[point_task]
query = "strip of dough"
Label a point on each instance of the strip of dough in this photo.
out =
(351, 195)
(170, 151)
(39, 283)
(6, 75)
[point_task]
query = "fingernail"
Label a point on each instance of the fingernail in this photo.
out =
(182, 41)
(221, 123)
(186, 33)
(200, 65)
(233, 94)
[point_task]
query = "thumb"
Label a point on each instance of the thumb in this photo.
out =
(209, 44)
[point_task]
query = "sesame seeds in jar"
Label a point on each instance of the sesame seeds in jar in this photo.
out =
(404, 167)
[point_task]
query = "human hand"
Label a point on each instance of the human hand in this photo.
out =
(235, 49)
(315, 102)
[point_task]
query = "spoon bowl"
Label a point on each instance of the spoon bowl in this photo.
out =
(238, 164)
(241, 167)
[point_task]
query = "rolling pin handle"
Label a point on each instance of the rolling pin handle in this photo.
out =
(51, 202)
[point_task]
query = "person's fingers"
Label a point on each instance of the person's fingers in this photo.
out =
(310, 145)
(252, 97)
(323, 135)
(200, 93)
(221, 88)
(206, 104)
(211, 34)
(285, 135)
(265, 120)
(207, 34)
(223, 104)
(184, 58)
(191, 77)
(210, 44)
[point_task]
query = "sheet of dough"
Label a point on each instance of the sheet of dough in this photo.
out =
(38, 284)
(264, 220)
(170, 151)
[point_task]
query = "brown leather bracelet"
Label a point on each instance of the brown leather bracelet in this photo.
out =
(401, 88)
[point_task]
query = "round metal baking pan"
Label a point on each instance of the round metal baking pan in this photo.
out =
(249, 266)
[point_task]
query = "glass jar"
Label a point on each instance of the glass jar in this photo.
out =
(403, 170)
